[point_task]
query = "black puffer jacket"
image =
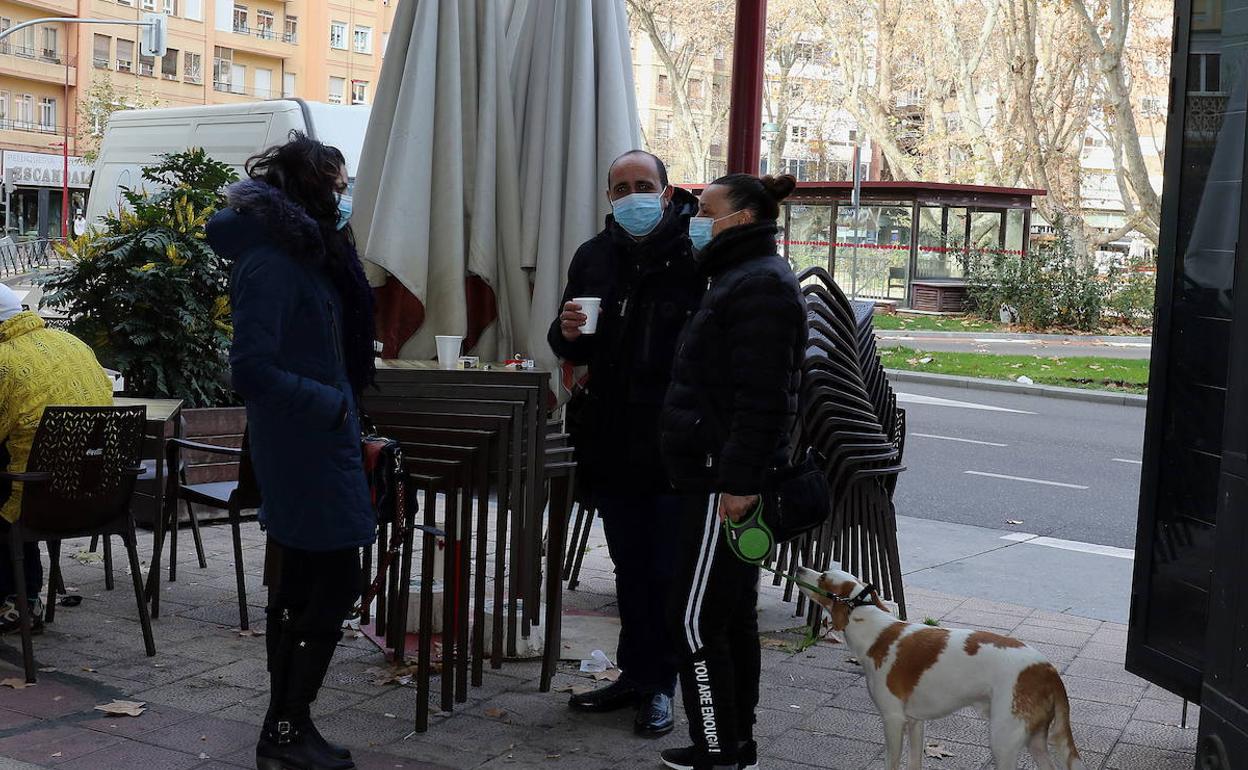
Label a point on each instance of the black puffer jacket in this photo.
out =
(649, 289)
(731, 407)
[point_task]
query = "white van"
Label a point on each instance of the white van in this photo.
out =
(230, 133)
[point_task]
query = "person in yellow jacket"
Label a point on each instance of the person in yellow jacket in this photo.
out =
(39, 367)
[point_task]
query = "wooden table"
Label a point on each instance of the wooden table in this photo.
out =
(162, 422)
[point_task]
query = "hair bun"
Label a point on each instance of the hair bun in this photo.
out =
(779, 187)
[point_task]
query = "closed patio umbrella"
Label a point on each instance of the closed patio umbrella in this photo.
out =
(484, 165)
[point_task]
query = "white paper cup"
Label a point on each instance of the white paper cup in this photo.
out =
(448, 351)
(591, 307)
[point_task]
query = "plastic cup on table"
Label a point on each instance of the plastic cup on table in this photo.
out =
(448, 351)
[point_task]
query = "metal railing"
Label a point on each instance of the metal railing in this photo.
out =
(26, 256)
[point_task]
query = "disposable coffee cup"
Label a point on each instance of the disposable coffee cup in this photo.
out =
(591, 307)
(448, 351)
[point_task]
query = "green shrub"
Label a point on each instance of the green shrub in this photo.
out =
(1053, 286)
(1134, 290)
(147, 293)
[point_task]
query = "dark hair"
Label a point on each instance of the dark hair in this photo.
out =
(658, 164)
(747, 192)
(307, 171)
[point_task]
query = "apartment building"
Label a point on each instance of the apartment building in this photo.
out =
(219, 51)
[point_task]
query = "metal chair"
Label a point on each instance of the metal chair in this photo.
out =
(232, 496)
(78, 483)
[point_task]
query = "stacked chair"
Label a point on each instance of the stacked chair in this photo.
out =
(848, 413)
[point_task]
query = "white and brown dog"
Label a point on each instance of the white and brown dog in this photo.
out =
(917, 672)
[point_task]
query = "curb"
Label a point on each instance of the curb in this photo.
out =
(1005, 386)
(1020, 337)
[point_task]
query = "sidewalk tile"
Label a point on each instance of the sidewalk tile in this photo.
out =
(1129, 756)
(1167, 712)
(204, 734)
(129, 754)
(1161, 736)
(802, 746)
(54, 745)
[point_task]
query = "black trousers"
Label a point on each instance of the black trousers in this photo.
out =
(32, 567)
(314, 592)
(643, 536)
(714, 621)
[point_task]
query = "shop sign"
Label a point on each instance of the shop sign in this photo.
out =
(36, 169)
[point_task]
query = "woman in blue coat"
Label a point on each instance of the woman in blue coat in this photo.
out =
(302, 353)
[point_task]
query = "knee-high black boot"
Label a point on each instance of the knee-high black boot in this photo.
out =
(288, 740)
(311, 660)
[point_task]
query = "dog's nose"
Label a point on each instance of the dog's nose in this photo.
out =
(807, 575)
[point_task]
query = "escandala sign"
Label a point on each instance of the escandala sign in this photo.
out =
(35, 169)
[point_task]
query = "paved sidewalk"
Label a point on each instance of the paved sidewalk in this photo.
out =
(205, 690)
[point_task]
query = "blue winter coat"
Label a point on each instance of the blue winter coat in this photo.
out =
(287, 363)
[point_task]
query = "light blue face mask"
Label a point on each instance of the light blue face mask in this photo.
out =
(344, 211)
(701, 230)
(639, 213)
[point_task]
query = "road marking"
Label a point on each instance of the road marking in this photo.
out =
(915, 398)
(1128, 462)
(1070, 545)
(1024, 478)
(960, 440)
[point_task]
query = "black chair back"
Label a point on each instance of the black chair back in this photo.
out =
(92, 455)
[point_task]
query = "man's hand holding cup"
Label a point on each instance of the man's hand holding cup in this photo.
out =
(579, 316)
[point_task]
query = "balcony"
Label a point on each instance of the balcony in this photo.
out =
(59, 7)
(244, 94)
(266, 41)
(37, 64)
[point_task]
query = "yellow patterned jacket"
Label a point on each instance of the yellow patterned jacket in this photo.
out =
(41, 367)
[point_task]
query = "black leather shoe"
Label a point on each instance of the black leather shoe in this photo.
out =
(654, 716)
(613, 697)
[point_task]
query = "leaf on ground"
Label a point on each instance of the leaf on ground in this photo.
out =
(89, 670)
(122, 708)
(382, 676)
(15, 683)
(48, 669)
(937, 751)
(248, 632)
(59, 754)
(499, 714)
(610, 675)
(86, 557)
(1014, 522)
(575, 689)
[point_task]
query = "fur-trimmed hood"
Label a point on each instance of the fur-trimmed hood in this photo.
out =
(264, 211)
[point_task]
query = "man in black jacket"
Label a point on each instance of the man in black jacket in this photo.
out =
(641, 267)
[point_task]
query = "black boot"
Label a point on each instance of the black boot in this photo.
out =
(289, 741)
(286, 745)
(309, 662)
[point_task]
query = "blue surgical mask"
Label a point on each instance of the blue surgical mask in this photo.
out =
(344, 210)
(639, 213)
(702, 229)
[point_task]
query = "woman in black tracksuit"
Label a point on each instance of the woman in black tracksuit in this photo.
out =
(726, 422)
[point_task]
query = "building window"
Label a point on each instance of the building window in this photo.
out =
(125, 55)
(102, 53)
(47, 114)
(359, 92)
(126, 2)
(338, 35)
(194, 9)
(292, 29)
(222, 59)
(171, 7)
(238, 79)
(240, 18)
(695, 92)
(264, 25)
(4, 109)
(336, 87)
(1204, 73)
(799, 133)
(288, 85)
(147, 65)
(25, 111)
(363, 40)
(663, 90)
(193, 68)
(264, 84)
(26, 42)
(50, 49)
(169, 64)
(148, 5)
(663, 127)
(5, 45)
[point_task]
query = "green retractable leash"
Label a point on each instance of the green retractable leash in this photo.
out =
(752, 541)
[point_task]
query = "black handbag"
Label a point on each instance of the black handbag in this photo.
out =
(795, 500)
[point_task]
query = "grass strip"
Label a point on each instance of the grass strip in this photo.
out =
(1092, 373)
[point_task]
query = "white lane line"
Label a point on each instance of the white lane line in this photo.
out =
(915, 398)
(1025, 479)
(959, 440)
(1070, 545)
(1128, 462)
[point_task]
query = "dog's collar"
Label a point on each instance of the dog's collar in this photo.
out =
(861, 599)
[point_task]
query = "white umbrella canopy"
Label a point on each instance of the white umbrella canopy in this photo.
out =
(485, 163)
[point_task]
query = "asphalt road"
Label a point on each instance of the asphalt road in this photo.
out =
(1124, 347)
(1065, 469)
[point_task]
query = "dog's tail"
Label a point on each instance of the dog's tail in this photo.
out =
(1059, 731)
